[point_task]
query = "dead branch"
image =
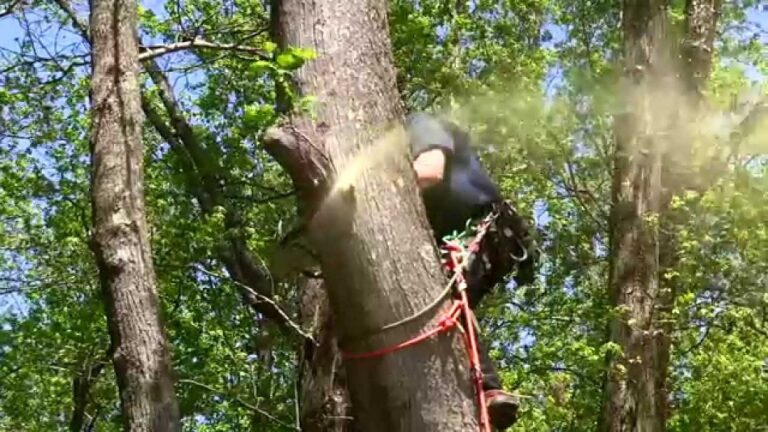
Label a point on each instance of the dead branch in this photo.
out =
(304, 161)
(153, 51)
(80, 25)
(285, 318)
(241, 402)
(9, 9)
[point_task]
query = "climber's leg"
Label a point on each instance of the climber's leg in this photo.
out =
(505, 240)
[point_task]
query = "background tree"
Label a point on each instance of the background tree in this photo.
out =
(139, 348)
(631, 399)
(534, 82)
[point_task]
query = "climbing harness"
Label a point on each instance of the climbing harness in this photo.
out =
(456, 258)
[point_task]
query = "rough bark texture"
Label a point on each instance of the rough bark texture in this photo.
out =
(701, 19)
(81, 393)
(120, 242)
(203, 182)
(323, 396)
(377, 256)
(632, 393)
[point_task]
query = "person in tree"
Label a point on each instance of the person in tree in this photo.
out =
(456, 189)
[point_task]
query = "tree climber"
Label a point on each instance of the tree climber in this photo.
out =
(456, 189)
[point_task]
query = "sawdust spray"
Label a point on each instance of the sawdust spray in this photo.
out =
(691, 137)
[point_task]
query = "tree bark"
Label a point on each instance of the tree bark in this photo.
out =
(203, 184)
(323, 396)
(81, 392)
(633, 397)
(324, 399)
(376, 253)
(701, 19)
(120, 241)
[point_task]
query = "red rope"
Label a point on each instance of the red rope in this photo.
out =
(447, 322)
(454, 263)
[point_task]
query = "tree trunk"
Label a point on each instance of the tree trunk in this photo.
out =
(81, 393)
(323, 396)
(701, 18)
(632, 392)
(376, 252)
(120, 240)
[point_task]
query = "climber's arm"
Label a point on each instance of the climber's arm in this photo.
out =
(431, 145)
(429, 167)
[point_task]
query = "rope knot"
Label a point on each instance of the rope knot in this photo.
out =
(446, 323)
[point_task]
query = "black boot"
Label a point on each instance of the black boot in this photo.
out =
(502, 408)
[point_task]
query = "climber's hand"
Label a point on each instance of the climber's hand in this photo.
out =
(429, 167)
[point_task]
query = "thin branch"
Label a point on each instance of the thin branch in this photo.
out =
(577, 192)
(241, 402)
(263, 200)
(699, 342)
(81, 391)
(9, 10)
(153, 51)
(80, 25)
(747, 125)
(297, 328)
(92, 422)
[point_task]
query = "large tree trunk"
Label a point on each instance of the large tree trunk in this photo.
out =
(376, 252)
(632, 392)
(120, 241)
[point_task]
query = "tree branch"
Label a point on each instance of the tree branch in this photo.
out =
(80, 25)
(9, 10)
(92, 422)
(306, 164)
(153, 51)
(285, 318)
(241, 402)
(577, 191)
(81, 389)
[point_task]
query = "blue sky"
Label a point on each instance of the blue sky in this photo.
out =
(10, 30)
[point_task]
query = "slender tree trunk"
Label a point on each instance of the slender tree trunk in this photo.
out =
(701, 18)
(632, 393)
(377, 256)
(81, 393)
(323, 396)
(120, 241)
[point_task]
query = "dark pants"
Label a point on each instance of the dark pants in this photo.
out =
(506, 245)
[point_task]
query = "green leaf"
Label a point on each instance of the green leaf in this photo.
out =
(294, 58)
(260, 67)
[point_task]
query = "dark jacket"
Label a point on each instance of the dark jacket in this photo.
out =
(466, 190)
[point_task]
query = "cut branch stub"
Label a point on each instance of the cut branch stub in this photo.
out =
(304, 159)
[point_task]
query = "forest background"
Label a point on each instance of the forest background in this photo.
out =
(535, 83)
